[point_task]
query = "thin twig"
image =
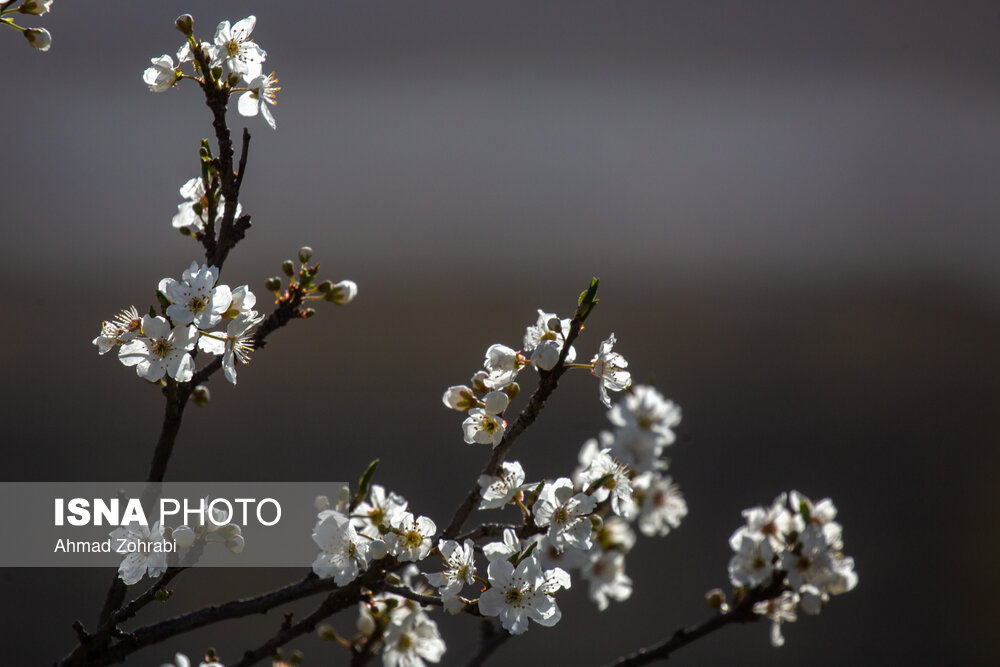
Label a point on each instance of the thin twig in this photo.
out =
(742, 612)
(547, 383)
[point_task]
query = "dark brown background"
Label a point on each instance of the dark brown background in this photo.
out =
(791, 207)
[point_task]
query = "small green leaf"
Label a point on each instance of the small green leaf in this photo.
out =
(364, 484)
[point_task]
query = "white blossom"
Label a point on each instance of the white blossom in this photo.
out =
(162, 75)
(181, 660)
(753, 562)
(260, 94)
(343, 553)
(459, 568)
(662, 506)
(236, 344)
(137, 540)
(606, 576)
(617, 484)
(196, 298)
(780, 610)
(481, 427)
(502, 365)
(161, 350)
(343, 292)
(566, 514)
(498, 491)
(645, 409)
(509, 546)
(234, 46)
(35, 7)
(380, 510)
(773, 522)
(122, 328)
(524, 592)
(412, 538)
(609, 366)
(243, 301)
(412, 641)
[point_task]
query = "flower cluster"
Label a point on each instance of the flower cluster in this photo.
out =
(545, 342)
(234, 64)
(159, 345)
(583, 523)
(799, 543)
(39, 38)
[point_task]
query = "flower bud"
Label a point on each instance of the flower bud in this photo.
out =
(458, 398)
(479, 382)
(546, 355)
(366, 625)
(233, 80)
(183, 536)
(230, 531)
(296, 659)
(273, 284)
(38, 38)
(343, 498)
(162, 594)
(185, 23)
(288, 268)
(36, 7)
(308, 312)
(236, 544)
(321, 503)
(716, 600)
(343, 292)
(201, 396)
(325, 287)
(554, 324)
(305, 254)
(496, 402)
(326, 633)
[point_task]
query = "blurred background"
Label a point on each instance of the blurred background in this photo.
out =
(791, 207)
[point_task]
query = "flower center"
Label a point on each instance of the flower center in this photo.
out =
(489, 426)
(197, 304)
(161, 347)
(514, 596)
(561, 515)
(405, 642)
(413, 539)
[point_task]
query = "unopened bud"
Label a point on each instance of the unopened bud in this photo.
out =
(288, 268)
(393, 579)
(308, 312)
(326, 633)
(201, 396)
(36, 7)
(343, 292)
(273, 284)
(230, 531)
(343, 497)
(366, 625)
(321, 503)
(217, 72)
(233, 80)
(596, 523)
(185, 23)
(325, 287)
(716, 600)
(236, 544)
(297, 657)
(38, 38)
(185, 231)
(554, 324)
(162, 594)
(183, 536)
(479, 382)
(305, 254)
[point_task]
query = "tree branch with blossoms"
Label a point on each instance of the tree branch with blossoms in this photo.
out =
(375, 554)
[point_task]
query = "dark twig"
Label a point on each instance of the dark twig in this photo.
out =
(548, 380)
(243, 158)
(742, 612)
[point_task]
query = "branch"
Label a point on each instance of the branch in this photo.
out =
(741, 613)
(547, 383)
